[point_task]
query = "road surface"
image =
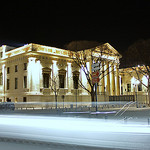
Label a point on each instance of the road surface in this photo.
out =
(75, 131)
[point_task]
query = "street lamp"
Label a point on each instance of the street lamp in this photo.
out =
(135, 82)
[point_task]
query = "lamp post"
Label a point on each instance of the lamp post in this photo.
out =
(135, 82)
(76, 98)
(63, 97)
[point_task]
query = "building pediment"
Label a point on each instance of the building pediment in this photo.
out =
(107, 49)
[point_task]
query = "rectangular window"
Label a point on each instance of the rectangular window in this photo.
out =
(46, 77)
(61, 81)
(25, 81)
(8, 70)
(8, 100)
(75, 81)
(24, 99)
(8, 84)
(140, 87)
(25, 66)
(16, 68)
(16, 83)
(128, 87)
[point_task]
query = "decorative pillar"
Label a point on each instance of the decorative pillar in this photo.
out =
(31, 67)
(39, 72)
(102, 79)
(90, 70)
(33, 75)
(69, 78)
(55, 69)
(84, 81)
(112, 80)
(55, 73)
(4, 76)
(108, 77)
(117, 80)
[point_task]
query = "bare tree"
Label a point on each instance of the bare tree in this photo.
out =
(82, 60)
(139, 73)
(138, 55)
(53, 87)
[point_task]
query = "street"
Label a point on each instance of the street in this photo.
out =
(88, 132)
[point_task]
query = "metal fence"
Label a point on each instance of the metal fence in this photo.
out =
(122, 98)
(68, 106)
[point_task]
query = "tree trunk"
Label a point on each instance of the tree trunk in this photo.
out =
(92, 94)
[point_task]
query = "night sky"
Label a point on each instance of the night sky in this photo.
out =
(55, 23)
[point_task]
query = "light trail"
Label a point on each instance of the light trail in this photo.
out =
(79, 131)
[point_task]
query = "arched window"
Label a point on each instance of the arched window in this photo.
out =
(62, 76)
(75, 79)
(46, 77)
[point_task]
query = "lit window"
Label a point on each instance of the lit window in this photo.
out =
(16, 83)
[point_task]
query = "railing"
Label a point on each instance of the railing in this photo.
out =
(122, 98)
(69, 106)
(80, 106)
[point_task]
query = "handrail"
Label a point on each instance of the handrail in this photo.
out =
(122, 108)
(126, 109)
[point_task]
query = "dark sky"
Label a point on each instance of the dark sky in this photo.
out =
(55, 23)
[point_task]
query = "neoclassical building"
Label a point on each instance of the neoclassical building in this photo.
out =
(134, 81)
(28, 73)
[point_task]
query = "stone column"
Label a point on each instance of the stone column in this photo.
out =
(117, 80)
(90, 70)
(55, 69)
(112, 80)
(39, 70)
(4, 78)
(55, 73)
(102, 79)
(33, 75)
(69, 78)
(108, 78)
(84, 81)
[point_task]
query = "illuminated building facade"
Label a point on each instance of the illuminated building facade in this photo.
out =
(134, 81)
(27, 72)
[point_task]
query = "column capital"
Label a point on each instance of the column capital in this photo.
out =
(32, 58)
